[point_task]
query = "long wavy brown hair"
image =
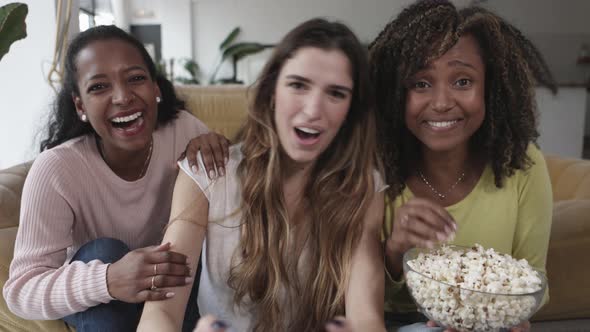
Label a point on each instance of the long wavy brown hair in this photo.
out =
(425, 31)
(265, 273)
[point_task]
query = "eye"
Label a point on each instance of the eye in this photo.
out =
(96, 87)
(463, 83)
(137, 78)
(296, 85)
(420, 85)
(337, 94)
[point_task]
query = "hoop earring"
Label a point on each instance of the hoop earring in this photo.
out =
(84, 118)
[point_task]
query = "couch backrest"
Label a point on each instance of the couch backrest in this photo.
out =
(222, 108)
(570, 178)
(11, 188)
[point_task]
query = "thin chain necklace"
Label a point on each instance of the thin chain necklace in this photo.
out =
(145, 163)
(440, 195)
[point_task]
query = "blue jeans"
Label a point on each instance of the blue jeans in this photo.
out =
(117, 315)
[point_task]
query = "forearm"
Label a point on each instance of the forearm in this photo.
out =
(37, 292)
(158, 319)
(393, 261)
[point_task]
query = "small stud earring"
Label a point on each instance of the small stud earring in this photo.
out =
(158, 100)
(83, 118)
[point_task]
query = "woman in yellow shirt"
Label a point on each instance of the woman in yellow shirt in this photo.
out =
(457, 127)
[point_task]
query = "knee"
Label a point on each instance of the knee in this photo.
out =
(107, 250)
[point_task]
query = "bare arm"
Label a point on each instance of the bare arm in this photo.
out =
(186, 231)
(365, 294)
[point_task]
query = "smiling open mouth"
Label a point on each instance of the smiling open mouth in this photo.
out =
(124, 122)
(306, 133)
(442, 124)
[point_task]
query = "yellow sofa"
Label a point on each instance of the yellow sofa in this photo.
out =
(223, 110)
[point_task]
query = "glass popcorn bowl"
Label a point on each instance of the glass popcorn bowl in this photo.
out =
(464, 309)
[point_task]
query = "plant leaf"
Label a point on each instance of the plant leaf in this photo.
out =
(12, 25)
(241, 50)
(229, 39)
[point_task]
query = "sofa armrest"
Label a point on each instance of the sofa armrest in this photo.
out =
(570, 178)
(568, 264)
(11, 187)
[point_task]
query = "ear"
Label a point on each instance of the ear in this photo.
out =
(78, 104)
(158, 92)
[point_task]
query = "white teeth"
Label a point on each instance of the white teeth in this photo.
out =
(442, 124)
(127, 118)
(308, 130)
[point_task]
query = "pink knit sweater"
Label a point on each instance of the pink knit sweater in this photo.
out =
(71, 197)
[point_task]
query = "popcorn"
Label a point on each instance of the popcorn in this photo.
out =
(460, 297)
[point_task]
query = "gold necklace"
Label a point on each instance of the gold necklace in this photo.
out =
(440, 195)
(145, 163)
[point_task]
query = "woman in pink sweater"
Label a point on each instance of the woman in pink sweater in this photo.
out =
(97, 198)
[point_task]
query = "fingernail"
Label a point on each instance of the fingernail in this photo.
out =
(219, 324)
(405, 220)
(211, 174)
(194, 169)
(222, 171)
(188, 280)
(448, 230)
(226, 159)
(429, 244)
(454, 226)
(440, 236)
(169, 295)
(336, 322)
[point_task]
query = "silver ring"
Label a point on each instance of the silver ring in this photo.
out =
(153, 285)
(155, 269)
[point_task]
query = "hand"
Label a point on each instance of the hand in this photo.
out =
(417, 223)
(214, 149)
(130, 278)
(210, 324)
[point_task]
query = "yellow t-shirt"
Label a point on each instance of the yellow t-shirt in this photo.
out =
(514, 219)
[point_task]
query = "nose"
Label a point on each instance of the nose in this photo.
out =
(313, 106)
(442, 100)
(122, 95)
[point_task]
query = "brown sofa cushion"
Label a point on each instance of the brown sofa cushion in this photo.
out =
(568, 262)
(8, 321)
(11, 188)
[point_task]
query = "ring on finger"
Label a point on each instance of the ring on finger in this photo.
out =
(155, 269)
(153, 284)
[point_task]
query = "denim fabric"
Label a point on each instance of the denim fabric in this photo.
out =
(117, 315)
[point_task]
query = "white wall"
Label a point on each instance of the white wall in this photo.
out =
(25, 96)
(174, 17)
(561, 121)
(267, 21)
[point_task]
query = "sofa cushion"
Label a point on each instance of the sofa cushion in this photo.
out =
(222, 108)
(568, 262)
(570, 178)
(11, 188)
(8, 321)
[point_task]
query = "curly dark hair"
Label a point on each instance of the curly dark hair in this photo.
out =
(64, 123)
(425, 31)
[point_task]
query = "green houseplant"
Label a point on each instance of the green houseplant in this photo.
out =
(12, 25)
(235, 51)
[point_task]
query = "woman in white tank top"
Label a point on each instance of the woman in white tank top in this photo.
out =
(290, 236)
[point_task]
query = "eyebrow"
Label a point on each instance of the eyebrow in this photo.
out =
(454, 63)
(136, 67)
(459, 63)
(306, 80)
